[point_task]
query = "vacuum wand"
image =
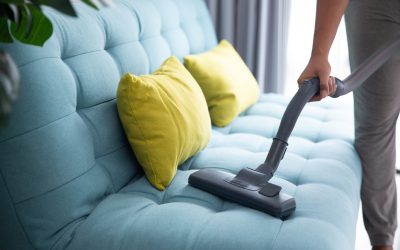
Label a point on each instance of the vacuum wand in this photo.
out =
(292, 112)
(368, 67)
(311, 87)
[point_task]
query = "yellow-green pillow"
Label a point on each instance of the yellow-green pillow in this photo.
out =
(165, 118)
(226, 81)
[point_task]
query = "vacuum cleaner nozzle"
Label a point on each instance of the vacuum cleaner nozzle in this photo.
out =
(249, 188)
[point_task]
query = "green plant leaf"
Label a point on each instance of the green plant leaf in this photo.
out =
(29, 20)
(63, 6)
(10, 11)
(34, 28)
(13, 10)
(24, 23)
(9, 85)
(12, 1)
(90, 3)
(107, 3)
(5, 36)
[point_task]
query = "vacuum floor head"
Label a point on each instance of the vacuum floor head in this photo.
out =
(246, 190)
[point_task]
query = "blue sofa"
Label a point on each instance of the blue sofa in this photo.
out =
(69, 179)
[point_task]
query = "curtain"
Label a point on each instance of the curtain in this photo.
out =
(258, 29)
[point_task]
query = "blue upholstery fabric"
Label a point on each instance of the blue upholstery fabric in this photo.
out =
(68, 178)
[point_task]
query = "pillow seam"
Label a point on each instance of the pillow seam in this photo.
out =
(140, 129)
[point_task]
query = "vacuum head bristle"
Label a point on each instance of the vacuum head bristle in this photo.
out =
(269, 199)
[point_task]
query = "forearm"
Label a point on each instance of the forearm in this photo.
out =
(329, 14)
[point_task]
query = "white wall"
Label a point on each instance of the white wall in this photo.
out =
(301, 31)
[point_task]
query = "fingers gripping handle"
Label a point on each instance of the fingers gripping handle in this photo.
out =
(340, 88)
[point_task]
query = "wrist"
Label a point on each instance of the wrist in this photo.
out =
(319, 53)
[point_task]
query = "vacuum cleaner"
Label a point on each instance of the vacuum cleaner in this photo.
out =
(251, 187)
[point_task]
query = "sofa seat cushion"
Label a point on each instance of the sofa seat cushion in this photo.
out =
(322, 172)
(182, 217)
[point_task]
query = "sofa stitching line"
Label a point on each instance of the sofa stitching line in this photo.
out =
(116, 62)
(49, 123)
(201, 230)
(91, 129)
(95, 207)
(37, 128)
(112, 151)
(161, 34)
(100, 50)
(38, 59)
(108, 174)
(63, 37)
(78, 222)
(66, 58)
(81, 54)
(138, 212)
(163, 198)
(199, 21)
(317, 137)
(277, 234)
(147, 56)
(135, 14)
(316, 158)
(121, 44)
(194, 201)
(91, 107)
(282, 222)
(299, 175)
(76, 81)
(55, 188)
(144, 196)
(15, 211)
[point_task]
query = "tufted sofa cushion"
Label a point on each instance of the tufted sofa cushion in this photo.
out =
(321, 170)
(68, 178)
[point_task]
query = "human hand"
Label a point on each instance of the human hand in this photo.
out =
(318, 66)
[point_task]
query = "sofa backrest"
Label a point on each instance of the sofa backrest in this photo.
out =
(64, 150)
